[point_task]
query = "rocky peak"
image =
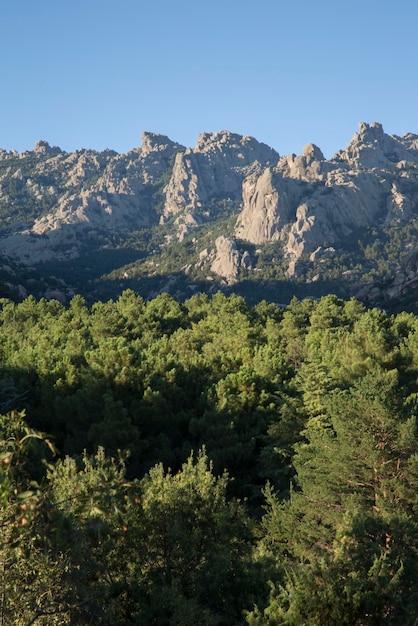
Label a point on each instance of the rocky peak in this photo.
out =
(311, 152)
(214, 169)
(226, 142)
(42, 148)
(204, 141)
(154, 142)
(309, 166)
(307, 201)
(8, 154)
(410, 140)
(224, 139)
(371, 148)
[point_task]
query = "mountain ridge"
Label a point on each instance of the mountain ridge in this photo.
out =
(222, 200)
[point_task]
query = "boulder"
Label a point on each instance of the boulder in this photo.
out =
(227, 259)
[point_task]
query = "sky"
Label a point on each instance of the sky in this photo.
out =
(97, 73)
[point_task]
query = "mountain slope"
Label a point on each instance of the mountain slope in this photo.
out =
(229, 213)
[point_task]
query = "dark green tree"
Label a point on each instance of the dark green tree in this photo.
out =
(347, 537)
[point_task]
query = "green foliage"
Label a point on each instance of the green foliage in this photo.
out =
(27, 572)
(348, 530)
(308, 411)
(87, 546)
(193, 545)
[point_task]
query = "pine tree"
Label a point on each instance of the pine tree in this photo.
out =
(348, 534)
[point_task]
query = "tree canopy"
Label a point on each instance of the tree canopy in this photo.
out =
(207, 462)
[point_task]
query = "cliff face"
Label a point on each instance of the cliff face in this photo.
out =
(215, 169)
(308, 201)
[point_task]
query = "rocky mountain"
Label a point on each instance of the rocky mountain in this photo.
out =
(64, 197)
(214, 169)
(311, 203)
(229, 213)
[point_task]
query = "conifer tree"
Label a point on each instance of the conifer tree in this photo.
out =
(348, 535)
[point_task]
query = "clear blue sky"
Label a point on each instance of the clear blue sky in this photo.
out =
(97, 73)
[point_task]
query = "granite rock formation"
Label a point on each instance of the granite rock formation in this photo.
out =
(86, 193)
(54, 204)
(308, 201)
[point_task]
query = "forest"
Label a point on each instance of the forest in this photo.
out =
(208, 462)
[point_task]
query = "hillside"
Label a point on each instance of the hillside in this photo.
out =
(230, 214)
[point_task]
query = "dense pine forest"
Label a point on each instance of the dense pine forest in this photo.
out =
(208, 462)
